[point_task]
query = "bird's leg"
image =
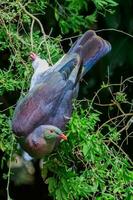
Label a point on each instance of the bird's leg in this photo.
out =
(39, 63)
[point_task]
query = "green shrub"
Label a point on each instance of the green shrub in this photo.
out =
(88, 165)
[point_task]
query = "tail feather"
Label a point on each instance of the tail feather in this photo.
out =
(86, 51)
(90, 48)
(81, 41)
(92, 51)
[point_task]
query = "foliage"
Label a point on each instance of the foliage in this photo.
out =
(6, 137)
(92, 164)
(89, 165)
(70, 17)
(105, 4)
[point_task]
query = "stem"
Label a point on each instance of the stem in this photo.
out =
(123, 115)
(120, 149)
(9, 171)
(115, 30)
(31, 33)
(42, 30)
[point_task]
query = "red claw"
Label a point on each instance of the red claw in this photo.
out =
(33, 56)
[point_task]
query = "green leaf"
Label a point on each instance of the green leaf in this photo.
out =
(85, 149)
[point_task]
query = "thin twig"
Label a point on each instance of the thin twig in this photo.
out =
(119, 116)
(115, 30)
(120, 149)
(31, 33)
(126, 126)
(129, 135)
(129, 79)
(104, 105)
(41, 27)
(9, 171)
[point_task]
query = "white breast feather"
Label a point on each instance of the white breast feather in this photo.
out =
(40, 66)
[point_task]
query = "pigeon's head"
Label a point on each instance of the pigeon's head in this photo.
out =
(43, 140)
(51, 133)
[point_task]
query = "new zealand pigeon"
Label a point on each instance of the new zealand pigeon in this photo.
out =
(41, 116)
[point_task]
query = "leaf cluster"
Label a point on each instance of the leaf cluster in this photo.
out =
(88, 166)
(70, 14)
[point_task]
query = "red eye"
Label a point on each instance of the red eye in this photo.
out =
(51, 131)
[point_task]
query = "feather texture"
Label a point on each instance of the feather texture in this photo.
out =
(49, 101)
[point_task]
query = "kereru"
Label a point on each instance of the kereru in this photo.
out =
(41, 116)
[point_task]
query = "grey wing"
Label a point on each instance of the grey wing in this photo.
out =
(68, 67)
(64, 111)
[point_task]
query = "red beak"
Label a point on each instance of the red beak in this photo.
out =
(62, 136)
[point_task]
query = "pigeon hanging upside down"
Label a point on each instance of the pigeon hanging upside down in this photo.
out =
(41, 116)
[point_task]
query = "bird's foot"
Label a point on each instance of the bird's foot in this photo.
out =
(33, 56)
